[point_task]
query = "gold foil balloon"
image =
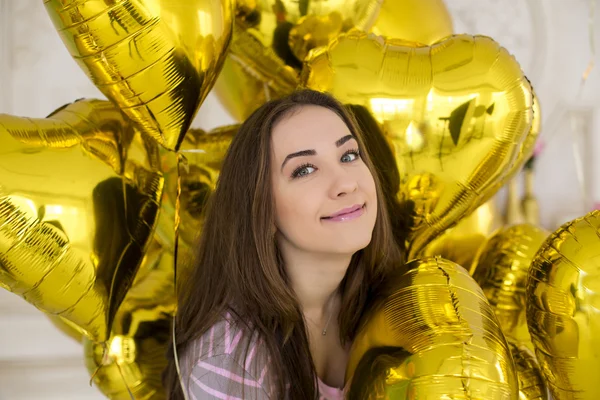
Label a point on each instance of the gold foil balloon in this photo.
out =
(135, 356)
(423, 21)
(531, 381)
(563, 308)
(155, 59)
(79, 198)
(292, 28)
(461, 242)
(458, 114)
(67, 327)
(502, 268)
(431, 336)
(135, 353)
(271, 39)
(529, 144)
(130, 364)
(527, 147)
(242, 88)
(526, 151)
(204, 153)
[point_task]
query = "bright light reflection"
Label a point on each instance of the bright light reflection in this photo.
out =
(387, 109)
(413, 137)
(121, 350)
(205, 23)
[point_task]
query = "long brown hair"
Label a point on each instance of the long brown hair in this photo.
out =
(238, 268)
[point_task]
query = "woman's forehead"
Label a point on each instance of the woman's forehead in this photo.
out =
(309, 127)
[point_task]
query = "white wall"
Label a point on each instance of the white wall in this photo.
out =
(549, 37)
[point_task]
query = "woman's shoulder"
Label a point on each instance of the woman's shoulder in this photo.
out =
(228, 359)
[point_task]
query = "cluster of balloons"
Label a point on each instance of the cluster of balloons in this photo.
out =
(90, 196)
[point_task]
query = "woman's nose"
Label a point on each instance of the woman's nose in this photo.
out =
(343, 183)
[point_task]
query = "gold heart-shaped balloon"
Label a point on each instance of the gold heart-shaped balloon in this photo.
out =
(156, 59)
(432, 335)
(140, 332)
(130, 362)
(79, 200)
(563, 308)
(457, 114)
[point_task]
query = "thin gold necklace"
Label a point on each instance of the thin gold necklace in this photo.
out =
(328, 319)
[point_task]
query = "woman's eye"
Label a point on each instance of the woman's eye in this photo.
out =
(303, 170)
(350, 155)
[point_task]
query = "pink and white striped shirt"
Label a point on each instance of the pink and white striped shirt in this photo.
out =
(215, 367)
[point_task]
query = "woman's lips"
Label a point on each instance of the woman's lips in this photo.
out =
(347, 214)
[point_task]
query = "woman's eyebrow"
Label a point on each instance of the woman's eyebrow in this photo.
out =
(312, 152)
(301, 153)
(343, 140)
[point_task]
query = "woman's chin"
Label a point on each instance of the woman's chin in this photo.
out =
(350, 245)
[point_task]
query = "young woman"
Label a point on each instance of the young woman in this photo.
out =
(296, 239)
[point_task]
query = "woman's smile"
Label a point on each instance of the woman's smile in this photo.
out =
(347, 214)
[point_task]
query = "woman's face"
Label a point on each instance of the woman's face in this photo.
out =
(325, 197)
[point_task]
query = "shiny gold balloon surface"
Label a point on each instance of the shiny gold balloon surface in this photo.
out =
(130, 364)
(423, 21)
(461, 242)
(292, 28)
(563, 308)
(501, 269)
(141, 331)
(271, 39)
(432, 336)
(155, 59)
(242, 88)
(532, 385)
(458, 114)
(67, 327)
(204, 153)
(79, 198)
(526, 148)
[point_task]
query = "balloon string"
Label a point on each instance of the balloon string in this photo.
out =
(123, 377)
(104, 357)
(245, 66)
(267, 91)
(194, 151)
(181, 161)
(268, 83)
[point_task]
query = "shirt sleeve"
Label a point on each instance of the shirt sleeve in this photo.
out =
(222, 377)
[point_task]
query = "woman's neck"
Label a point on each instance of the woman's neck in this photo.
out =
(315, 279)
